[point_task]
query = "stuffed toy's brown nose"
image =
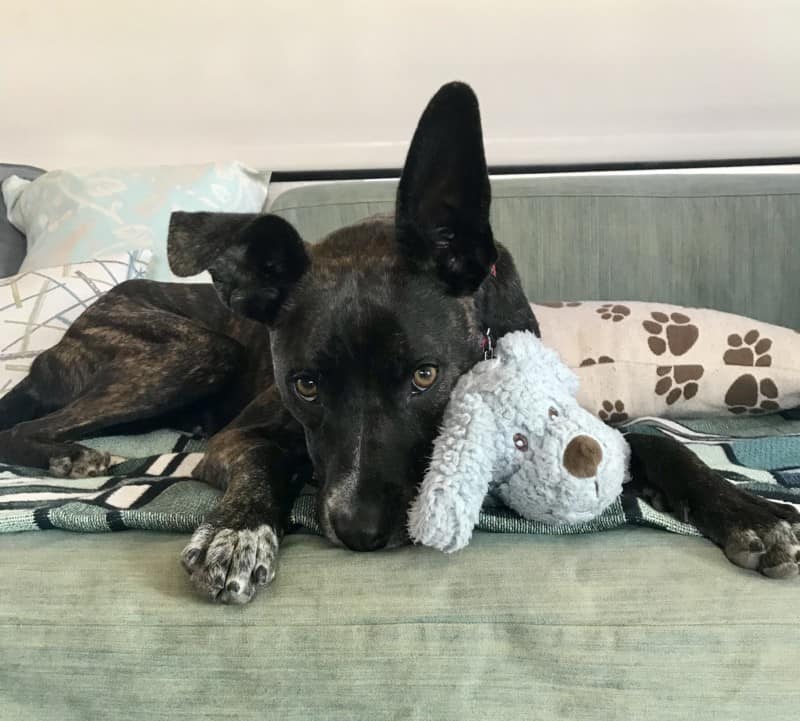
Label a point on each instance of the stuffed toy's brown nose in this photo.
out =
(582, 456)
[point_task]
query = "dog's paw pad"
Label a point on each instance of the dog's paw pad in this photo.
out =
(772, 550)
(783, 550)
(228, 565)
(81, 463)
(61, 466)
(745, 549)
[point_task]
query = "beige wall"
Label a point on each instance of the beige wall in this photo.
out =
(298, 84)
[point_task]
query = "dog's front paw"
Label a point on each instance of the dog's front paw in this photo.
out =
(229, 565)
(80, 462)
(764, 536)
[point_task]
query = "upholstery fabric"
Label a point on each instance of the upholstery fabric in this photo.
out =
(705, 240)
(630, 624)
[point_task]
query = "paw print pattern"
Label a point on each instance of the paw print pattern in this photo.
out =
(613, 412)
(673, 332)
(678, 382)
(747, 395)
(562, 304)
(612, 311)
(748, 351)
(591, 361)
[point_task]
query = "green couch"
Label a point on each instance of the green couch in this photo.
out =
(627, 624)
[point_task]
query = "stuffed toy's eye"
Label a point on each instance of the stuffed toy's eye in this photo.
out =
(552, 413)
(521, 442)
(425, 377)
(306, 388)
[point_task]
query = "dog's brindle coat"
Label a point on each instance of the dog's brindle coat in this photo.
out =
(341, 353)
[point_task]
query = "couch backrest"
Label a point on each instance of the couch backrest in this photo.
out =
(729, 241)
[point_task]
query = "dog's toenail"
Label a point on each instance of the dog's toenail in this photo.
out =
(756, 546)
(261, 574)
(233, 587)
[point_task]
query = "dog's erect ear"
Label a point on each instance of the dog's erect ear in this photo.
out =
(254, 260)
(442, 216)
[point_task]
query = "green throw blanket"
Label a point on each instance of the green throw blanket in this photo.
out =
(151, 487)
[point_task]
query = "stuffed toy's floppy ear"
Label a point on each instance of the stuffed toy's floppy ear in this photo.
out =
(452, 492)
(254, 260)
(442, 216)
(528, 357)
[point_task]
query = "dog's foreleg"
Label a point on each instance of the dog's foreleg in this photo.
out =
(753, 532)
(234, 552)
(144, 384)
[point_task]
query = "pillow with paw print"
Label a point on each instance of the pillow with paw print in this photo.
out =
(651, 359)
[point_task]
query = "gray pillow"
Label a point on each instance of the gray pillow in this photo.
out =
(12, 242)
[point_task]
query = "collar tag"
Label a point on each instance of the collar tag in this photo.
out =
(487, 344)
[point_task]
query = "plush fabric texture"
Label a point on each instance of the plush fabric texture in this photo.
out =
(513, 427)
(71, 216)
(37, 307)
(12, 242)
(640, 359)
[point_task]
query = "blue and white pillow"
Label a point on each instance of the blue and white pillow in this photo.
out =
(72, 216)
(37, 307)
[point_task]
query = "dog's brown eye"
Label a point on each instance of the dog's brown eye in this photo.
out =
(553, 413)
(521, 442)
(425, 377)
(306, 388)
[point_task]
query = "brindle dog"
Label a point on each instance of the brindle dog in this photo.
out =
(338, 356)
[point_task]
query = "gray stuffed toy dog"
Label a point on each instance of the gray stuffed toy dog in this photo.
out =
(513, 427)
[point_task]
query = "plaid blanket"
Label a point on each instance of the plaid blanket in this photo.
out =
(151, 487)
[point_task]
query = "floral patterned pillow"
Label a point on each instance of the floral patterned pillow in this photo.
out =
(36, 308)
(649, 359)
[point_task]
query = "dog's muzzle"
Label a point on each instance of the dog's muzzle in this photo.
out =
(361, 528)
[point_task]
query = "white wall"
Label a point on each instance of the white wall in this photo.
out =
(301, 84)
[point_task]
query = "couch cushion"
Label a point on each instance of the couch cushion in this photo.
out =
(705, 239)
(626, 624)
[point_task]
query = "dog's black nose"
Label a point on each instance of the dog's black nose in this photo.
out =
(360, 530)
